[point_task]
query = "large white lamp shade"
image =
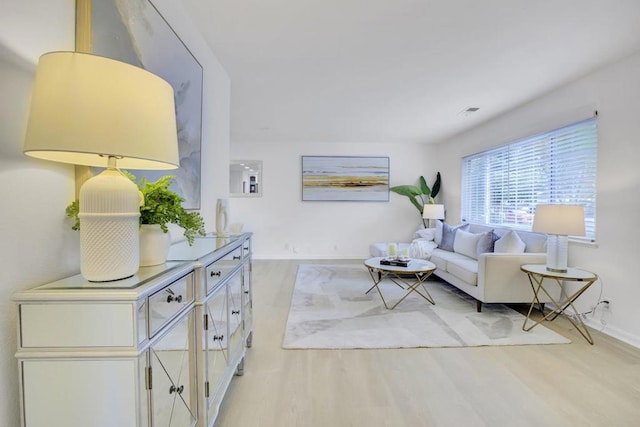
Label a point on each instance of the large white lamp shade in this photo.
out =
(94, 111)
(432, 211)
(558, 222)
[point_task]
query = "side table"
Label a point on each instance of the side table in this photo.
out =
(538, 273)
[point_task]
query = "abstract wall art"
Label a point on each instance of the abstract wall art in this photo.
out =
(135, 32)
(345, 178)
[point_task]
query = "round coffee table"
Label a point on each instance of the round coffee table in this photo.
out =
(417, 270)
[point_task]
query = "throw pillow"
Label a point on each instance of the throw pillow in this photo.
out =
(425, 233)
(438, 235)
(449, 235)
(510, 243)
(486, 242)
(466, 243)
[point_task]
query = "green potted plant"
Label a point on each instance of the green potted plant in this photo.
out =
(420, 196)
(161, 207)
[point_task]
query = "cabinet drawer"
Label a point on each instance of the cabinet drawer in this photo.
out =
(219, 269)
(165, 304)
(76, 325)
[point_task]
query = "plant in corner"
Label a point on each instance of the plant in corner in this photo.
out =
(419, 196)
(161, 206)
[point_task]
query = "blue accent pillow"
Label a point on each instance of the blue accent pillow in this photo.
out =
(487, 242)
(449, 235)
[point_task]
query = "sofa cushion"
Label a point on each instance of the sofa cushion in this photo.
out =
(438, 258)
(466, 243)
(449, 235)
(510, 243)
(464, 269)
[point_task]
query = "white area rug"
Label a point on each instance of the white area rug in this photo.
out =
(329, 309)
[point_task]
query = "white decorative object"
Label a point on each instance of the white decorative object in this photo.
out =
(222, 217)
(154, 245)
(90, 110)
(559, 222)
(108, 237)
(236, 227)
(392, 250)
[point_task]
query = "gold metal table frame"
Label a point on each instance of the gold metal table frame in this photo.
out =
(418, 270)
(537, 274)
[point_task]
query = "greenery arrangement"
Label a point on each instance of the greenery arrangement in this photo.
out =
(420, 196)
(161, 206)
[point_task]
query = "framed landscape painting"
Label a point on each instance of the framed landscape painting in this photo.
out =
(135, 32)
(345, 178)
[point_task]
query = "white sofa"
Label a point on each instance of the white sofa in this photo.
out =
(489, 277)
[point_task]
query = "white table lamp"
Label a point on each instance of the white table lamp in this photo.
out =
(94, 111)
(432, 211)
(558, 222)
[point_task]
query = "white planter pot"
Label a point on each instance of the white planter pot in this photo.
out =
(154, 245)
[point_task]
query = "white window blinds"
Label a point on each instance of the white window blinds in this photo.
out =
(502, 186)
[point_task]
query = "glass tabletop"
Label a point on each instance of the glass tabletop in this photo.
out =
(414, 265)
(570, 274)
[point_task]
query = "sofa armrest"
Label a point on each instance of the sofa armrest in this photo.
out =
(500, 276)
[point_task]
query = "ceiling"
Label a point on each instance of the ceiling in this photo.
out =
(401, 70)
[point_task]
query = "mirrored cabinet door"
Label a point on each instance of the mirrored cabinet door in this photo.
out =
(173, 387)
(216, 336)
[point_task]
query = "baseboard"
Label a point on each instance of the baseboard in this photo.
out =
(614, 332)
(307, 257)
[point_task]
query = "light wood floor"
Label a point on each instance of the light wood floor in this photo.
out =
(548, 385)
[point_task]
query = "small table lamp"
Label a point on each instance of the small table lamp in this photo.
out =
(559, 222)
(432, 211)
(94, 111)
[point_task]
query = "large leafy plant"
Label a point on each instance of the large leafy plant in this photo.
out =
(161, 206)
(420, 195)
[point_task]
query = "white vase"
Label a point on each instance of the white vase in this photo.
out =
(154, 245)
(222, 217)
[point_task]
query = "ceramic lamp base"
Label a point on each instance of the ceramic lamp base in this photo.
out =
(557, 248)
(109, 215)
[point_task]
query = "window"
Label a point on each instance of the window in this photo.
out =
(502, 186)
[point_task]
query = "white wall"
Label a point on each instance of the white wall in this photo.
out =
(614, 92)
(285, 227)
(38, 245)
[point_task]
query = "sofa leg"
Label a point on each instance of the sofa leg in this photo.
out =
(479, 306)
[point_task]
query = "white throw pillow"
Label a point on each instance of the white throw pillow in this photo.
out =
(466, 243)
(438, 235)
(425, 233)
(510, 243)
